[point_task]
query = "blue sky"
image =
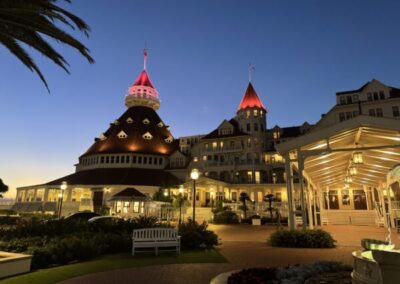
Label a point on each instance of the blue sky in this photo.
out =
(304, 52)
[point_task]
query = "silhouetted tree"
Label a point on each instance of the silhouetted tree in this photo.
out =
(269, 198)
(3, 188)
(243, 198)
(26, 22)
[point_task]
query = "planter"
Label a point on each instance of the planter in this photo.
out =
(256, 221)
(14, 263)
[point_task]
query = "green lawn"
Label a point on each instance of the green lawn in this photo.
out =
(110, 262)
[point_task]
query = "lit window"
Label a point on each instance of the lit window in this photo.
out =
(122, 135)
(160, 124)
(248, 113)
(169, 139)
(136, 206)
(129, 120)
(195, 159)
(204, 158)
(255, 112)
(126, 207)
(249, 176)
(277, 135)
(214, 145)
(146, 121)
(257, 176)
(147, 136)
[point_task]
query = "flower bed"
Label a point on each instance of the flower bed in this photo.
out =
(293, 274)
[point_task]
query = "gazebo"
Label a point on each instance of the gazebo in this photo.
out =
(348, 173)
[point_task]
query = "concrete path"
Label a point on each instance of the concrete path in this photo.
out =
(243, 246)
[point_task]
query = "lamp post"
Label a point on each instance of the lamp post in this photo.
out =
(194, 175)
(63, 187)
(181, 190)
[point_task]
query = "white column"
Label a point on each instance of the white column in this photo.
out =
(301, 181)
(315, 194)
(289, 187)
(310, 214)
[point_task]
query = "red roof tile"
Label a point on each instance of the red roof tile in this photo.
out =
(143, 80)
(250, 99)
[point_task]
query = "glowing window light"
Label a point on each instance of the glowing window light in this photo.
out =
(358, 158)
(353, 171)
(348, 179)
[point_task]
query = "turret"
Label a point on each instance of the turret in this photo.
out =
(142, 92)
(251, 114)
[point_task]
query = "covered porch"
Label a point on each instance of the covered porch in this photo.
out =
(348, 173)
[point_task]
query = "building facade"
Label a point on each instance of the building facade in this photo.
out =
(137, 156)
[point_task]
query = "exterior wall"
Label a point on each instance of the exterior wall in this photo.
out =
(374, 96)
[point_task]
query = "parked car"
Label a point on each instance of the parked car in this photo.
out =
(84, 215)
(97, 219)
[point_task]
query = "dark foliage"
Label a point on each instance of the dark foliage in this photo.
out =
(254, 276)
(302, 239)
(226, 217)
(3, 188)
(197, 236)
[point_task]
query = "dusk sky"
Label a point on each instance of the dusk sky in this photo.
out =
(199, 51)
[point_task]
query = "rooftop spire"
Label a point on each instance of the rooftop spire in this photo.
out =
(145, 58)
(250, 99)
(252, 68)
(142, 92)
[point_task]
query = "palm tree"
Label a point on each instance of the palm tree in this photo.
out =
(243, 198)
(269, 198)
(3, 188)
(23, 21)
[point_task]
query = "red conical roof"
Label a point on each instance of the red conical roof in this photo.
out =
(143, 80)
(250, 99)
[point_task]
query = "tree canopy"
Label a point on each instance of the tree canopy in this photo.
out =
(3, 188)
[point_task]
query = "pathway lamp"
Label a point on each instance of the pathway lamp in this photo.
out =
(180, 200)
(194, 175)
(63, 187)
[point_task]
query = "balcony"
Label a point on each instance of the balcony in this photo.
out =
(223, 149)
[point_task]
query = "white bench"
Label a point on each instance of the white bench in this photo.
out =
(156, 238)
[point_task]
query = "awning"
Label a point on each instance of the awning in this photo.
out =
(129, 194)
(330, 153)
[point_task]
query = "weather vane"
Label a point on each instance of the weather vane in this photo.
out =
(252, 68)
(145, 56)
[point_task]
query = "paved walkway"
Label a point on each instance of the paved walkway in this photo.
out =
(243, 246)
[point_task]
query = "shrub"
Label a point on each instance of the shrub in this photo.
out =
(302, 239)
(196, 236)
(226, 217)
(9, 220)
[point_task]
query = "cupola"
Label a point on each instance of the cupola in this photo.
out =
(142, 92)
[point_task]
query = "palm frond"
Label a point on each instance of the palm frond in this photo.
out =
(25, 21)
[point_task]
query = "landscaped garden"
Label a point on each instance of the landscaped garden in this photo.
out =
(72, 243)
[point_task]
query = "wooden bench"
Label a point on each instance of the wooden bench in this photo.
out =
(156, 238)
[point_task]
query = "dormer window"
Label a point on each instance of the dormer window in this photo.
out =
(129, 120)
(146, 121)
(277, 135)
(160, 124)
(116, 122)
(147, 136)
(122, 135)
(169, 139)
(102, 137)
